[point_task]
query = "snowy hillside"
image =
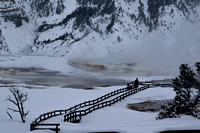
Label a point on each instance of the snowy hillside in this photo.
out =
(94, 28)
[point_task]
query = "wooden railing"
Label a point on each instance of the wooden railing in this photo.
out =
(54, 113)
(51, 126)
(75, 116)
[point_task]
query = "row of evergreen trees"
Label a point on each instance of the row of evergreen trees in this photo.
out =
(187, 88)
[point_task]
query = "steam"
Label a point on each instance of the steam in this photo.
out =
(159, 52)
(165, 51)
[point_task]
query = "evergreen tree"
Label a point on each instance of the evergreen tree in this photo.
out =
(198, 67)
(187, 95)
(60, 8)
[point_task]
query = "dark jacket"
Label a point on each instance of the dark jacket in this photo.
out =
(136, 83)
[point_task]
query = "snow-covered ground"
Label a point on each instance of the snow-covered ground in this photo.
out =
(116, 118)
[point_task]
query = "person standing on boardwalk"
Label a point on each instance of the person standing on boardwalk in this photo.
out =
(136, 83)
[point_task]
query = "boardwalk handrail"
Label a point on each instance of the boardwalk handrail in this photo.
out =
(52, 126)
(54, 113)
(72, 111)
(76, 115)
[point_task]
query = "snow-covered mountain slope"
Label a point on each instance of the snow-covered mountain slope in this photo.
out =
(99, 28)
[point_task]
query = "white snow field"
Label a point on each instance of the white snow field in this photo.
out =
(45, 98)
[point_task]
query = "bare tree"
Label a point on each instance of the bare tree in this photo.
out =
(18, 98)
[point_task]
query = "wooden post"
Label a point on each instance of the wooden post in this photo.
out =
(56, 128)
(31, 127)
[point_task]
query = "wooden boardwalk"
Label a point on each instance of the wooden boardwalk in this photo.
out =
(74, 114)
(54, 113)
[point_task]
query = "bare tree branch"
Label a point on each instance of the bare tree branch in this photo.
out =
(27, 113)
(11, 100)
(14, 110)
(9, 115)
